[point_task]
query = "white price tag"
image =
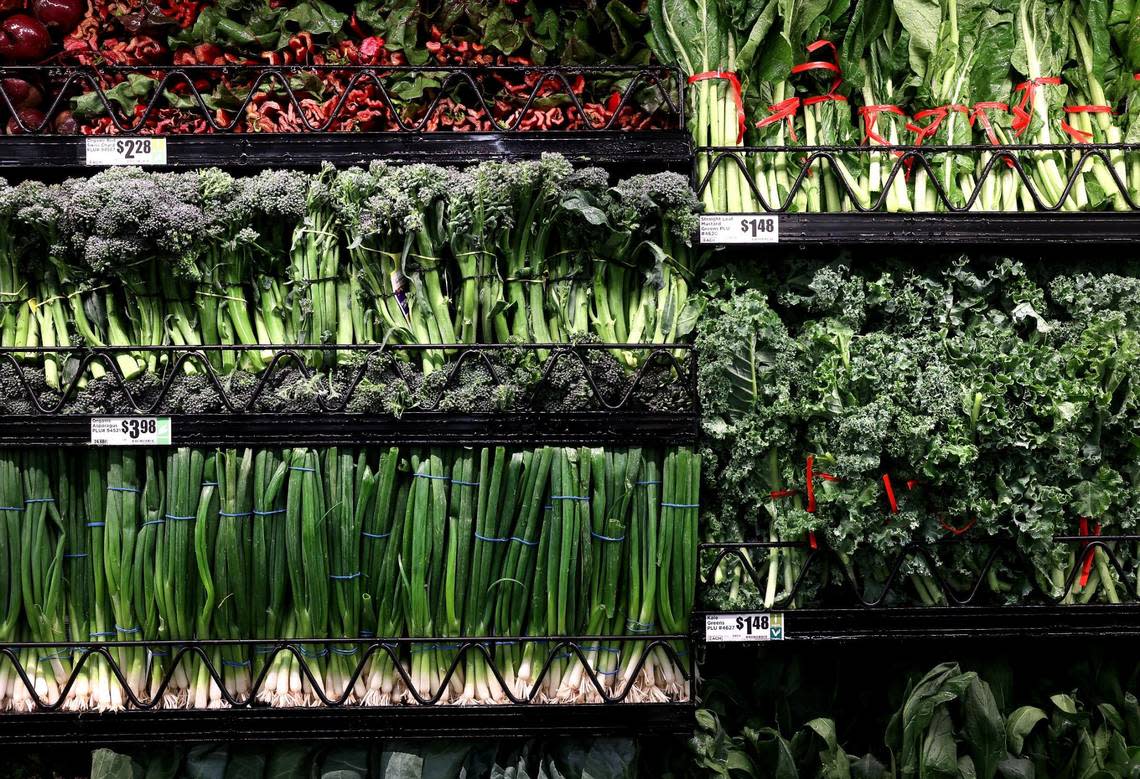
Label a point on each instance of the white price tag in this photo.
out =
(130, 431)
(126, 151)
(740, 228)
(744, 627)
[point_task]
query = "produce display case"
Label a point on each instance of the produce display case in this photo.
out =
(613, 114)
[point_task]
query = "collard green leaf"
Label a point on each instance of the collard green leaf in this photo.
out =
(1019, 724)
(983, 730)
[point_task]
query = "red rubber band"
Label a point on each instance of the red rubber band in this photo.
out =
(956, 530)
(1023, 111)
(785, 110)
(734, 82)
(810, 484)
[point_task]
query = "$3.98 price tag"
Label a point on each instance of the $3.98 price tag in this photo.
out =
(744, 627)
(130, 431)
(125, 151)
(740, 228)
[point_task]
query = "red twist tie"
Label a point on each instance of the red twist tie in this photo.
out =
(809, 101)
(811, 541)
(785, 110)
(956, 530)
(734, 82)
(1023, 111)
(911, 483)
(810, 484)
(870, 114)
(1136, 76)
(890, 493)
(939, 115)
(1086, 569)
(1081, 136)
(777, 494)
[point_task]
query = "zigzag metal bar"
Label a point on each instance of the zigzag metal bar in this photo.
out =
(678, 359)
(195, 651)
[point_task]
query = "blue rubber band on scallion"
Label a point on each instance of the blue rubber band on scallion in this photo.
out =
(96, 524)
(523, 541)
(462, 483)
(271, 512)
(584, 498)
(302, 469)
(236, 663)
(366, 534)
(122, 489)
(11, 508)
(128, 630)
(153, 522)
(491, 540)
(681, 505)
(103, 634)
(177, 518)
(343, 652)
(430, 476)
(648, 482)
(600, 537)
(75, 555)
(346, 576)
(39, 500)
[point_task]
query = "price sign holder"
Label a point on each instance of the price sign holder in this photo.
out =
(744, 628)
(130, 431)
(740, 228)
(113, 150)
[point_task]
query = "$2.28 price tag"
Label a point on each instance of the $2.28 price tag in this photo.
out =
(740, 228)
(126, 151)
(744, 627)
(130, 431)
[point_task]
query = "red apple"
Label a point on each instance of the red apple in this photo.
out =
(23, 39)
(59, 15)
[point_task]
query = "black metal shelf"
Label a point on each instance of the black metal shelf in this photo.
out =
(405, 722)
(655, 150)
(917, 623)
(351, 114)
(414, 428)
(613, 404)
(990, 229)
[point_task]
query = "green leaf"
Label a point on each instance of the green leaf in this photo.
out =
(983, 730)
(136, 89)
(108, 764)
(1019, 724)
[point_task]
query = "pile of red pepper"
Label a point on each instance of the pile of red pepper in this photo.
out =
(334, 96)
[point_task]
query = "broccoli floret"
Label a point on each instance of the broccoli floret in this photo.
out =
(648, 202)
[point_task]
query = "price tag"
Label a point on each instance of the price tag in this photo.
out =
(130, 431)
(126, 151)
(725, 628)
(740, 228)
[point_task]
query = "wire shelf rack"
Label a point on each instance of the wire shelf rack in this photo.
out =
(304, 115)
(992, 194)
(608, 702)
(821, 565)
(322, 394)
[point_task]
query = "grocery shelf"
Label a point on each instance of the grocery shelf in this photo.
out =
(614, 707)
(988, 229)
(916, 623)
(306, 115)
(958, 218)
(648, 150)
(825, 580)
(410, 429)
(322, 725)
(311, 395)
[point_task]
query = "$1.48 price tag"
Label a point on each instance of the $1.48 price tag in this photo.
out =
(744, 627)
(130, 431)
(740, 228)
(126, 151)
